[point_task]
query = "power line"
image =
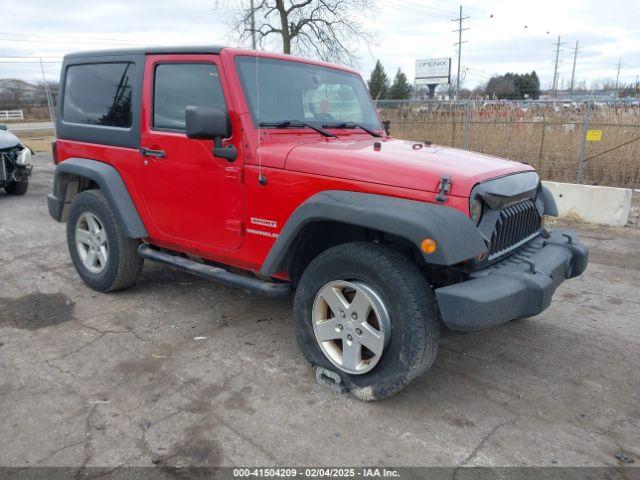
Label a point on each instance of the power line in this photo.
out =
(420, 9)
(460, 19)
(19, 56)
(253, 25)
(48, 37)
(479, 72)
(401, 6)
(70, 42)
(415, 5)
(17, 62)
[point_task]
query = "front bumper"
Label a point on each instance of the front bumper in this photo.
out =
(23, 173)
(519, 286)
(10, 173)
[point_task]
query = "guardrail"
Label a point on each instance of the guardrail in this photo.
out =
(11, 115)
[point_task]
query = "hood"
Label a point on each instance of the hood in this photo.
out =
(8, 140)
(400, 163)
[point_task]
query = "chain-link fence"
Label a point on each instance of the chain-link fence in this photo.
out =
(587, 142)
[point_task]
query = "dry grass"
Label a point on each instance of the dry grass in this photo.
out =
(37, 140)
(31, 114)
(546, 137)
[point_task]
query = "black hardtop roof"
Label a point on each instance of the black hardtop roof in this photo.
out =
(200, 49)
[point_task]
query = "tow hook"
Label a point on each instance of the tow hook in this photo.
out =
(444, 187)
(532, 266)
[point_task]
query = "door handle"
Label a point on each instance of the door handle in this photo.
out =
(152, 153)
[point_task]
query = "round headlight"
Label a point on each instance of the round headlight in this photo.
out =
(475, 208)
(24, 157)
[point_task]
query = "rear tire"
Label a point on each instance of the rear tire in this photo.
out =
(397, 290)
(17, 188)
(105, 259)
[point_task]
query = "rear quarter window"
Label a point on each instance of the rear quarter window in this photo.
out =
(99, 94)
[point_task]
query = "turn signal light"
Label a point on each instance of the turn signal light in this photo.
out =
(428, 245)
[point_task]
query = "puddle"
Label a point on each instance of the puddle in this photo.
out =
(36, 310)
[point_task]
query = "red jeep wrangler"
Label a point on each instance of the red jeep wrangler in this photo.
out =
(272, 173)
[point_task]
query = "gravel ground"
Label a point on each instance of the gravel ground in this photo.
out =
(179, 371)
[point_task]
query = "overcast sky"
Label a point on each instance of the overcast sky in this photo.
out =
(503, 35)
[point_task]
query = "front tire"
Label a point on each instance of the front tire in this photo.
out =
(367, 313)
(104, 258)
(17, 188)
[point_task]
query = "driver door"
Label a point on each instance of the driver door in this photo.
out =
(192, 197)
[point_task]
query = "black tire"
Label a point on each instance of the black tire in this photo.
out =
(17, 188)
(409, 301)
(123, 264)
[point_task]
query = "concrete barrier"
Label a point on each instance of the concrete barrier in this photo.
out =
(592, 204)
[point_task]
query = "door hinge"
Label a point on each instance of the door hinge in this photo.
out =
(234, 225)
(233, 173)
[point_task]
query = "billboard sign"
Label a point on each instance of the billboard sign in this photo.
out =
(433, 71)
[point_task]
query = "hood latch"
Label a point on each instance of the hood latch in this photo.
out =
(444, 187)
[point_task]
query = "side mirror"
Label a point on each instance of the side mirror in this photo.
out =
(211, 124)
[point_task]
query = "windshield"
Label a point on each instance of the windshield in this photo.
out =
(281, 90)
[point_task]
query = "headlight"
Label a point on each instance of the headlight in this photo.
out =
(24, 157)
(475, 208)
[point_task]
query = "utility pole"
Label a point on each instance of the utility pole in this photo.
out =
(460, 19)
(253, 25)
(573, 71)
(555, 69)
(618, 75)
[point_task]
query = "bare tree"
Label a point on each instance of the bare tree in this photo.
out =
(324, 29)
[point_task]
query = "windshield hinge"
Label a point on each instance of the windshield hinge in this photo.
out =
(444, 187)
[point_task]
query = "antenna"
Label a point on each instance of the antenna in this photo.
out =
(253, 24)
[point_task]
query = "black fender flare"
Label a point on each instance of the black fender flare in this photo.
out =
(456, 236)
(111, 185)
(548, 201)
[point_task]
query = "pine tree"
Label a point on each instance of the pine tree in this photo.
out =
(378, 83)
(400, 89)
(535, 86)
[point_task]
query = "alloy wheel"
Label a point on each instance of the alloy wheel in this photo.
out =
(91, 242)
(351, 325)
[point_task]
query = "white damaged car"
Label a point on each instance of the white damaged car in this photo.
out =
(15, 163)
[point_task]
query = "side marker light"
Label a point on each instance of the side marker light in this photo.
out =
(428, 245)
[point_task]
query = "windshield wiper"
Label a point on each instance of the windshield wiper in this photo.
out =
(297, 123)
(352, 125)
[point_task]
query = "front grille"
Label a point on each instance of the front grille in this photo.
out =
(3, 168)
(516, 225)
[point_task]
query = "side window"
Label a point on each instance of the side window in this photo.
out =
(99, 94)
(179, 85)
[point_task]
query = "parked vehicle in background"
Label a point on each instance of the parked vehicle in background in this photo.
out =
(15, 163)
(273, 173)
